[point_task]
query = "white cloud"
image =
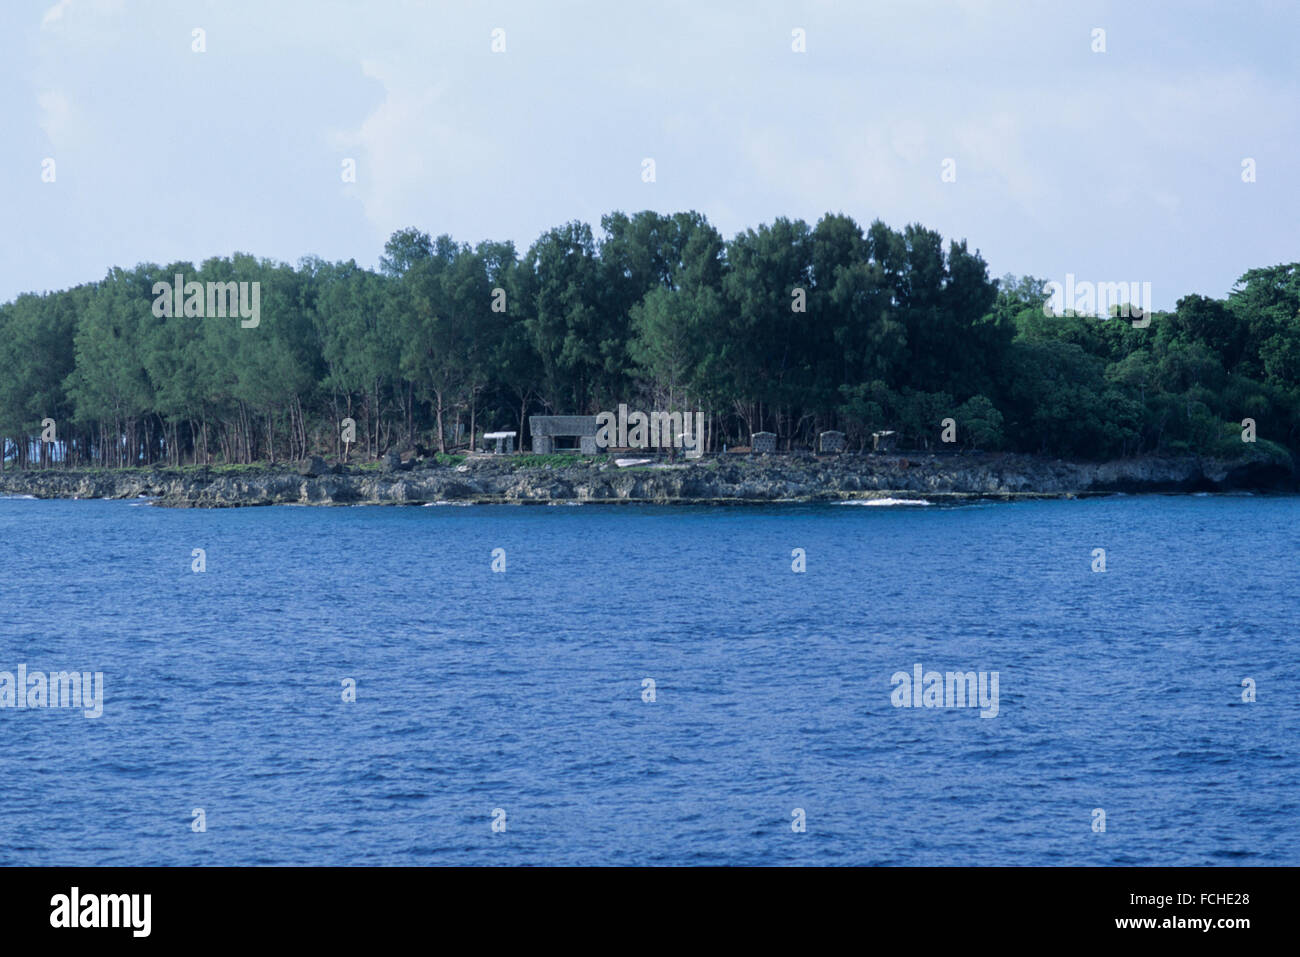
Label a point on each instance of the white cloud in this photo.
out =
(55, 13)
(55, 115)
(409, 150)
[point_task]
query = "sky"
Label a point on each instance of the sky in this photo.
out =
(1117, 165)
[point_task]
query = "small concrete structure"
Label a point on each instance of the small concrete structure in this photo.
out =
(563, 433)
(761, 443)
(831, 441)
(884, 441)
(505, 441)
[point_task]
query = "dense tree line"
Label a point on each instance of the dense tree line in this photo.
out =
(788, 328)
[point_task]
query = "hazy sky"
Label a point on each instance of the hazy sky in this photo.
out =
(1117, 166)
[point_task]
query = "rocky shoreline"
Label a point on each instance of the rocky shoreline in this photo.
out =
(712, 480)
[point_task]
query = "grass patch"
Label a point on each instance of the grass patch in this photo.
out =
(229, 469)
(557, 460)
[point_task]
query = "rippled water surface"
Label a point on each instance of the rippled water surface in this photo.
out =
(523, 691)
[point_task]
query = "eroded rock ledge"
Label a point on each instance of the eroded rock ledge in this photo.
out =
(776, 478)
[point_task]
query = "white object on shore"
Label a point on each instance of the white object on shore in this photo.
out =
(624, 463)
(886, 501)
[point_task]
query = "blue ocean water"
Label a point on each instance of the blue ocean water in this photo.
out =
(522, 691)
